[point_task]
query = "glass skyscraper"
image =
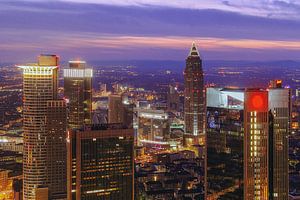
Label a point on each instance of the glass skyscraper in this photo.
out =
(78, 92)
(100, 163)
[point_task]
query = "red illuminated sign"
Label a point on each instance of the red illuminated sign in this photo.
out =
(257, 101)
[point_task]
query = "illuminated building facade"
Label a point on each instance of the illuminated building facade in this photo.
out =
(267, 126)
(194, 101)
(3, 179)
(100, 163)
(153, 127)
(78, 92)
(280, 116)
(56, 122)
(256, 145)
(41, 193)
(39, 87)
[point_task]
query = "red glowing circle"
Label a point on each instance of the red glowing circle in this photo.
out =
(257, 101)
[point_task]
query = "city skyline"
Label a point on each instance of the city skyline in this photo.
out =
(157, 143)
(99, 30)
(150, 99)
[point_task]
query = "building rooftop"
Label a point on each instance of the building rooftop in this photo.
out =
(194, 51)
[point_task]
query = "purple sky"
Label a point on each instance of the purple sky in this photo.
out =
(150, 29)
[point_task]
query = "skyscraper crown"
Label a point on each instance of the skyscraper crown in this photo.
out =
(194, 51)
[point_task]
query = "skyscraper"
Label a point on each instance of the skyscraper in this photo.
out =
(78, 92)
(280, 116)
(194, 101)
(115, 108)
(100, 163)
(266, 123)
(39, 87)
(173, 99)
(119, 110)
(56, 122)
(256, 144)
(225, 131)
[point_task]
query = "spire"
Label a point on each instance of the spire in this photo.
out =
(194, 51)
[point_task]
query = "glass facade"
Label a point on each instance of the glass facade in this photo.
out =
(78, 92)
(225, 132)
(101, 164)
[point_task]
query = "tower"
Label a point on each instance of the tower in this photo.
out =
(78, 92)
(280, 115)
(56, 123)
(39, 87)
(256, 144)
(194, 100)
(266, 129)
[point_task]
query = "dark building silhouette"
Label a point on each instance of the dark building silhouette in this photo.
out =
(100, 163)
(56, 122)
(120, 110)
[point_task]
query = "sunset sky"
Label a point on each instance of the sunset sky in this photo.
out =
(150, 29)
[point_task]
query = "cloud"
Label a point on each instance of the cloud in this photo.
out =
(91, 46)
(71, 40)
(141, 21)
(281, 9)
(148, 28)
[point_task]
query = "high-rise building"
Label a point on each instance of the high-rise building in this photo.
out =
(256, 145)
(194, 101)
(275, 83)
(267, 124)
(42, 193)
(39, 87)
(173, 99)
(280, 116)
(100, 163)
(115, 109)
(78, 92)
(120, 110)
(153, 127)
(56, 122)
(225, 122)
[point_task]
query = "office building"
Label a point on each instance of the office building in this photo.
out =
(17, 186)
(153, 128)
(267, 124)
(39, 87)
(194, 101)
(120, 110)
(56, 122)
(173, 99)
(280, 116)
(225, 120)
(100, 163)
(256, 144)
(78, 92)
